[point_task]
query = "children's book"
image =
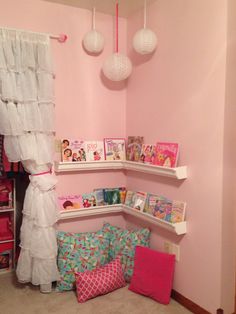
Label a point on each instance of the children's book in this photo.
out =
(152, 200)
(114, 148)
(73, 150)
(5, 260)
(178, 211)
(129, 198)
(148, 153)
(6, 193)
(122, 194)
(158, 209)
(89, 200)
(167, 208)
(94, 150)
(166, 154)
(99, 195)
(140, 200)
(112, 196)
(70, 202)
(134, 147)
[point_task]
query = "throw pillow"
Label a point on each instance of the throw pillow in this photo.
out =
(99, 281)
(79, 252)
(153, 274)
(123, 243)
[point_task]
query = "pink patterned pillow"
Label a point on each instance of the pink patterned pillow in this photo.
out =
(99, 281)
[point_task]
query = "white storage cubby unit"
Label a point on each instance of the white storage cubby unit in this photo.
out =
(176, 173)
(8, 241)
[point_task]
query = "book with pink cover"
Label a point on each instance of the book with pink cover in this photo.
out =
(178, 211)
(114, 148)
(148, 153)
(166, 154)
(94, 150)
(70, 202)
(73, 150)
(134, 147)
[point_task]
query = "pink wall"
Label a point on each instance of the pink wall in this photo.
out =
(178, 94)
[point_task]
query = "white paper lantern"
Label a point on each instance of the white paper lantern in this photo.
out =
(93, 41)
(117, 67)
(144, 41)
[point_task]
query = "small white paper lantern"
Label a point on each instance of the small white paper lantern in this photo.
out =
(93, 41)
(144, 41)
(117, 67)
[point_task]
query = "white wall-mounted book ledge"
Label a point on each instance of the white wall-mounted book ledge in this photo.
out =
(177, 228)
(177, 173)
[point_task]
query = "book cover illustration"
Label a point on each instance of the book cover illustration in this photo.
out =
(178, 211)
(122, 194)
(6, 260)
(99, 196)
(148, 153)
(73, 150)
(114, 148)
(94, 150)
(134, 147)
(70, 202)
(160, 206)
(129, 198)
(6, 193)
(166, 207)
(152, 200)
(166, 154)
(140, 200)
(89, 200)
(112, 196)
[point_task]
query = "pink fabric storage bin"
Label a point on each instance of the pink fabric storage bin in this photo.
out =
(5, 227)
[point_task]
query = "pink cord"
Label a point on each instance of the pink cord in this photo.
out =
(117, 5)
(41, 173)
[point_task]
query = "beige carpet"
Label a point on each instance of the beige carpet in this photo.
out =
(16, 298)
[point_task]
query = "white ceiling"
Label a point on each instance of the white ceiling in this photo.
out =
(126, 7)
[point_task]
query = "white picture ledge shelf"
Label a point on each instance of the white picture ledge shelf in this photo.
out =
(177, 228)
(177, 173)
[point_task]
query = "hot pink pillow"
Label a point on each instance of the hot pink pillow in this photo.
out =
(153, 274)
(99, 281)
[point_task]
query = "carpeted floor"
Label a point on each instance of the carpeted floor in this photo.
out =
(16, 298)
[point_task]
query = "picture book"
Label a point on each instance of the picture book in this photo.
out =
(129, 198)
(166, 154)
(140, 200)
(147, 153)
(114, 148)
(5, 260)
(160, 207)
(134, 147)
(70, 202)
(166, 207)
(178, 211)
(73, 150)
(112, 196)
(6, 193)
(89, 200)
(94, 150)
(122, 194)
(152, 200)
(99, 196)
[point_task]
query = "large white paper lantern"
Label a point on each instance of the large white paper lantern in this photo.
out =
(117, 67)
(93, 41)
(144, 41)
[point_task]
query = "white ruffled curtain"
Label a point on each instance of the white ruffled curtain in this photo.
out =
(27, 123)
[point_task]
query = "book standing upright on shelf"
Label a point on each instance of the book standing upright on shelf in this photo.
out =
(114, 148)
(178, 211)
(94, 150)
(134, 147)
(129, 198)
(140, 200)
(89, 200)
(73, 150)
(166, 154)
(70, 202)
(148, 153)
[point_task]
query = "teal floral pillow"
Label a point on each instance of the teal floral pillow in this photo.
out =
(123, 243)
(78, 252)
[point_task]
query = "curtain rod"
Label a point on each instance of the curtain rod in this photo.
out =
(61, 38)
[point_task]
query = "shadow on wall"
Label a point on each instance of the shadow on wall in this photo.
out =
(112, 85)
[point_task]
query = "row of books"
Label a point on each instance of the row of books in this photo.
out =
(158, 206)
(133, 149)
(99, 197)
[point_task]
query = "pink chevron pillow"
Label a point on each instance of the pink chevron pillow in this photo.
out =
(99, 281)
(153, 274)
